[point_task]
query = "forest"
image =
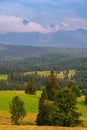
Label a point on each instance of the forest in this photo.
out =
(55, 74)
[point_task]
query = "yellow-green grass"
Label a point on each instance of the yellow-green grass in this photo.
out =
(71, 73)
(3, 76)
(29, 119)
(47, 73)
(41, 73)
(27, 127)
(31, 101)
(31, 106)
(82, 106)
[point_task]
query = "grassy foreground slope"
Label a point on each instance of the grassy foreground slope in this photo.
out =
(31, 105)
(10, 127)
(31, 101)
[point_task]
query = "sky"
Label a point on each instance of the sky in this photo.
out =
(43, 16)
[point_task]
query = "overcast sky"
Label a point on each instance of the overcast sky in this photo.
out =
(42, 15)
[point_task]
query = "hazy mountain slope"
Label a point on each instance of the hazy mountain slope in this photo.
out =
(75, 38)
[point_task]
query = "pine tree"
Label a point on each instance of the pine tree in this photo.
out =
(30, 88)
(57, 106)
(66, 114)
(17, 110)
(52, 86)
(46, 108)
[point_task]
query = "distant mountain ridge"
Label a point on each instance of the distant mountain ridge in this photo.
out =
(62, 38)
(11, 52)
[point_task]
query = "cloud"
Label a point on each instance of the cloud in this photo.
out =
(16, 24)
(42, 15)
(73, 23)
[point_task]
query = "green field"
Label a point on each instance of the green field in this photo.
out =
(47, 73)
(31, 106)
(3, 76)
(82, 106)
(31, 101)
(41, 73)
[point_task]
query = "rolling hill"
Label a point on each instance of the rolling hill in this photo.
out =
(10, 52)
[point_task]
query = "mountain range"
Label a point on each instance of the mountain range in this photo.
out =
(63, 38)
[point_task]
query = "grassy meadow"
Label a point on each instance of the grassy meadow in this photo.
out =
(31, 101)
(31, 106)
(3, 76)
(61, 74)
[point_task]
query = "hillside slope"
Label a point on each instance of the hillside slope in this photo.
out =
(10, 52)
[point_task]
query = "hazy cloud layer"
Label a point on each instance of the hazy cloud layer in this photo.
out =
(42, 15)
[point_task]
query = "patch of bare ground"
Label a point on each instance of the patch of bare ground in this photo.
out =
(30, 119)
(5, 120)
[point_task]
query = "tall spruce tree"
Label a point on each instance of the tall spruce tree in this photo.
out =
(30, 88)
(66, 114)
(52, 86)
(46, 108)
(57, 106)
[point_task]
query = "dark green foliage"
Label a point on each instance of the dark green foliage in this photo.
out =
(52, 86)
(17, 110)
(30, 88)
(76, 90)
(86, 98)
(59, 111)
(42, 99)
(57, 106)
(5, 85)
(61, 60)
(20, 78)
(46, 111)
(66, 114)
(81, 76)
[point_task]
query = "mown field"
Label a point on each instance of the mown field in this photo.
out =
(60, 74)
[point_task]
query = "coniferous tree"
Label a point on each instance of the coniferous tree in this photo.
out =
(86, 99)
(52, 86)
(60, 112)
(46, 109)
(66, 114)
(30, 88)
